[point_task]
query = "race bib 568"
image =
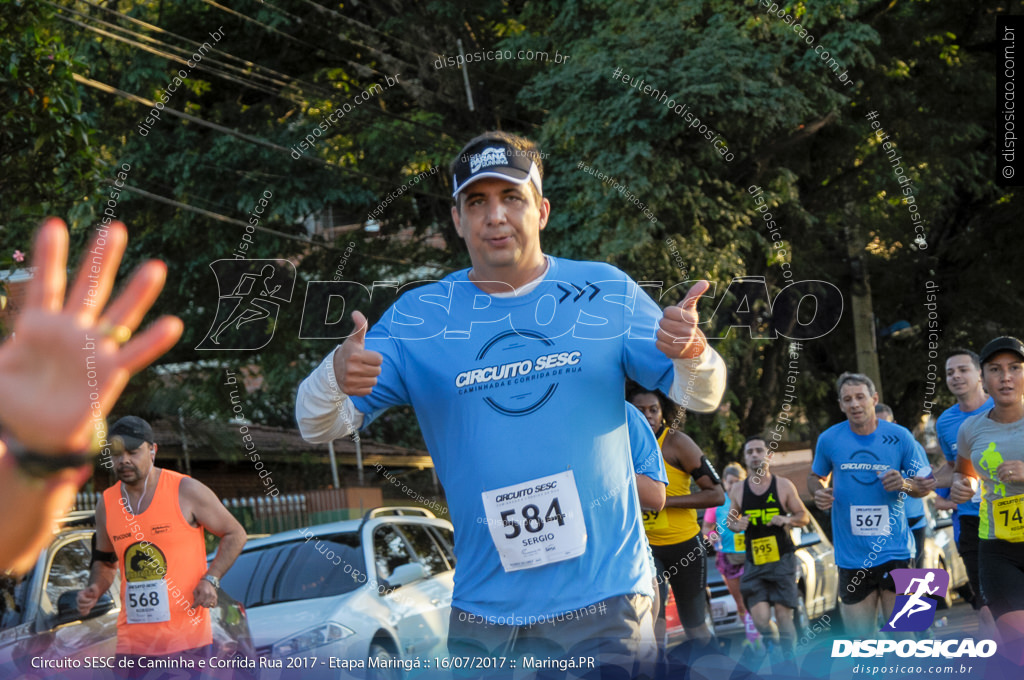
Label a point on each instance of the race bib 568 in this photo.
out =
(145, 593)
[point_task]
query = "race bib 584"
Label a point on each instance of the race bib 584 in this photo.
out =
(536, 522)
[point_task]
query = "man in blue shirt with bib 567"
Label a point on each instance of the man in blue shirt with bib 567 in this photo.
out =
(874, 466)
(515, 368)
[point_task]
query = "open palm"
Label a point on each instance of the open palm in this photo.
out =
(63, 369)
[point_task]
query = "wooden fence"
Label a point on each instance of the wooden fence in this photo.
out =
(270, 515)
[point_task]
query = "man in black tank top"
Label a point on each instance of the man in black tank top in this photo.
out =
(764, 508)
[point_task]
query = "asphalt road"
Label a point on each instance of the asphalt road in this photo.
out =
(959, 621)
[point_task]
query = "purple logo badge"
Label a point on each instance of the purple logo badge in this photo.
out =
(918, 592)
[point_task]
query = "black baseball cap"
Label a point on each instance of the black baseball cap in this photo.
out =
(133, 431)
(495, 159)
(1004, 343)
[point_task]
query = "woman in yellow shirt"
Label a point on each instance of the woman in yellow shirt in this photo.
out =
(674, 533)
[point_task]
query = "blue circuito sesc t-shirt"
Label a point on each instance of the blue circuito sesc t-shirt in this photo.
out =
(512, 389)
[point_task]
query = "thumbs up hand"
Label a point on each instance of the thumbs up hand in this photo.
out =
(355, 367)
(678, 335)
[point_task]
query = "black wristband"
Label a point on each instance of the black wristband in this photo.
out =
(101, 555)
(45, 465)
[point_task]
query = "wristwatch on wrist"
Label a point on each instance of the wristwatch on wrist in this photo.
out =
(213, 580)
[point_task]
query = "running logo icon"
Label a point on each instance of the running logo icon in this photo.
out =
(250, 294)
(915, 607)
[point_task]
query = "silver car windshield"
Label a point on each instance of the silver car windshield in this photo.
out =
(297, 570)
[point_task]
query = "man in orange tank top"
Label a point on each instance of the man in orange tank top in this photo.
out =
(150, 526)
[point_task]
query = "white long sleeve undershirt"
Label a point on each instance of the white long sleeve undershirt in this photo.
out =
(325, 413)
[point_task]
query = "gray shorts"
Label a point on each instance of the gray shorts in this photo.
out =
(618, 631)
(774, 583)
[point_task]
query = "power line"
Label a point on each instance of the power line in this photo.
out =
(387, 35)
(231, 220)
(218, 217)
(420, 48)
(240, 15)
(325, 91)
(360, 24)
(356, 65)
(294, 17)
(249, 65)
(343, 37)
(235, 13)
(326, 30)
(180, 50)
(286, 35)
(172, 57)
(103, 87)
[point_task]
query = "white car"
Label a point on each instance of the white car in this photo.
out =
(358, 597)
(940, 551)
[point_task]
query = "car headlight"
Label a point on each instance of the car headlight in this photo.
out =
(311, 638)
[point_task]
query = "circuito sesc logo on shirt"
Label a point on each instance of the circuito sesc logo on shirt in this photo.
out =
(517, 372)
(863, 467)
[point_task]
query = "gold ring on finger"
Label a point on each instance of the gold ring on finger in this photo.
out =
(119, 333)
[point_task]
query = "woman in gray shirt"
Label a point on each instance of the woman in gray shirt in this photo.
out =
(991, 450)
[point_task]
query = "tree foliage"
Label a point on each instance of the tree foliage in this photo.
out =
(49, 160)
(795, 130)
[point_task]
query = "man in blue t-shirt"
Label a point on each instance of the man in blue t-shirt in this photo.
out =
(515, 370)
(963, 378)
(873, 465)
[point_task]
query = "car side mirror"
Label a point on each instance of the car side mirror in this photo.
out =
(796, 535)
(67, 608)
(407, 573)
(801, 538)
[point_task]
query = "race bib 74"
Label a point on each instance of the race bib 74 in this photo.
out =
(1009, 518)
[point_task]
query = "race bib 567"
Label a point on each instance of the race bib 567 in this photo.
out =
(869, 520)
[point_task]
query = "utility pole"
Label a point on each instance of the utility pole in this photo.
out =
(184, 442)
(465, 75)
(864, 336)
(334, 464)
